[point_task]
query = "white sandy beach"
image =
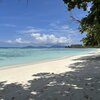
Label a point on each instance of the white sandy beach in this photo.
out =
(23, 73)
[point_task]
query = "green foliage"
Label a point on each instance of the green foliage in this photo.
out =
(91, 22)
(75, 46)
(89, 40)
(77, 3)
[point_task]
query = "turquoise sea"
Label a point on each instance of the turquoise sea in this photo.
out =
(13, 56)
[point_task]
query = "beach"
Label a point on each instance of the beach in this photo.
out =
(61, 79)
(23, 73)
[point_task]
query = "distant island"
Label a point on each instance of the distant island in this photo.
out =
(56, 46)
(53, 46)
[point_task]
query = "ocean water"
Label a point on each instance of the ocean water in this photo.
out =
(13, 56)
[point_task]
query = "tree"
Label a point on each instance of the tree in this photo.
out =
(91, 22)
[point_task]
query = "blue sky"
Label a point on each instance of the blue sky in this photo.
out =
(41, 22)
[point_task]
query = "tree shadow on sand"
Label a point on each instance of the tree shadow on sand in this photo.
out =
(81, 84)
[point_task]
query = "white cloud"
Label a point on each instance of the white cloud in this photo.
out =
(31, 30)
(56, 34)
(59, 29)
(62, 29)
(16, 41)
(9, 41)
(50, 39)
(20, 41)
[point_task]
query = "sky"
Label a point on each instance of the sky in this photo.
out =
(38, 23)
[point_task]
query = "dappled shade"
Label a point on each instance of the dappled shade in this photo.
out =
(81, 84)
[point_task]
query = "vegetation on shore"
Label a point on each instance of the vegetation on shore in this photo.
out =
(91, 22)
(81, 46)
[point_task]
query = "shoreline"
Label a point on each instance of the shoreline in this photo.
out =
(43, 61)
(24, 73)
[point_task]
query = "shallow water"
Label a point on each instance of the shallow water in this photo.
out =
(12, 56)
